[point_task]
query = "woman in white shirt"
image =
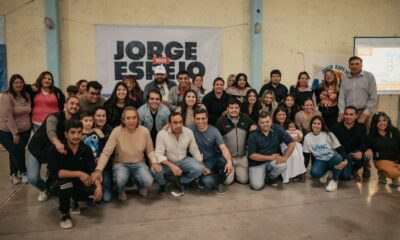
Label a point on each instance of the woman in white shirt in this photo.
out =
(329, 154)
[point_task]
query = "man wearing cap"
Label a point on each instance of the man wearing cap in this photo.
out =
(160, 83)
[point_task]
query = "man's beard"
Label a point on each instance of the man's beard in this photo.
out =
(159, 80)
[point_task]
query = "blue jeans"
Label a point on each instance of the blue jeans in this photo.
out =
(320, 167)
(191, 169)
(258, 174)
(34, 178)
(138, 171)
(352, 165)
(217, 175)
(107, 186)
(16, 152)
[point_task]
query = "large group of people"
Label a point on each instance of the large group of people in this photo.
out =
(182, 136)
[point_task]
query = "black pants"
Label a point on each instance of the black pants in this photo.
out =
(71, 188)
(16, 152)
(307, 159)
(329, 114)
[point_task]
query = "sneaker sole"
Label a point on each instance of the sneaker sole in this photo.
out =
(66, 227)
(16, 182)
(177, 194)
(75, 212)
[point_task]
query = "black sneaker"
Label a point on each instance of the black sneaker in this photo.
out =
(181, 188)
(366, 173)
(275, 183)
(66, 221)
(162, 190)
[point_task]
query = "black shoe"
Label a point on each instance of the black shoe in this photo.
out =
(182, 187)
(366, 173)
(180, 190)
(162, 190)
(74, 208)
(276, 183)
(302, 177)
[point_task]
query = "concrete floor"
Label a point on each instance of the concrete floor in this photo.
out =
(299, 211)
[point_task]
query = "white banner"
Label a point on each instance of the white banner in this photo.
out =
(122, 50)
(317, 63)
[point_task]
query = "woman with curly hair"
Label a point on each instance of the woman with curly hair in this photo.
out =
(134, 90)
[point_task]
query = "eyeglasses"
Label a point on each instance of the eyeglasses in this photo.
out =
(94, 93)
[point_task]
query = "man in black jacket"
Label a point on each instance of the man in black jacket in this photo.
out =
(275, 85)
(51, 132)
(353, 137)
(216, 101)
(70, 171)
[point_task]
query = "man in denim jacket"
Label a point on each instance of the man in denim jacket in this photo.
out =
(153, 115)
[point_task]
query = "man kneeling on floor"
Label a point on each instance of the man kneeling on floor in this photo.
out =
(217, 158)
(172, 148)
(265, 162)
(70, 172)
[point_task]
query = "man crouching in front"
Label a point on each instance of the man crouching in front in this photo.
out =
(70, 172)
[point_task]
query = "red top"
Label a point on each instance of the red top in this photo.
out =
(43, 105)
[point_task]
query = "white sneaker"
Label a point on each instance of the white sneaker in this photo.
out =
(177, 194)
(66, 221)
(43, 196)
(24, 178)
(15, 179)
(324, 178)
(332, 186)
